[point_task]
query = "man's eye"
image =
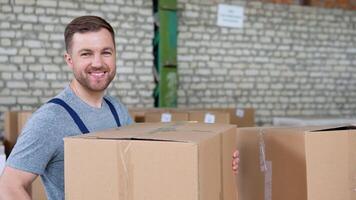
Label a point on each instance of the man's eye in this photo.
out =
(84, 54)
(107, 53)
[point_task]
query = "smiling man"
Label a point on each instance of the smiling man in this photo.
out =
(82, 107)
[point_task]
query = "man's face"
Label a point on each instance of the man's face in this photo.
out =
(92, 59)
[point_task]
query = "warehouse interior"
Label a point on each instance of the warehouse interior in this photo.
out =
(289, 63)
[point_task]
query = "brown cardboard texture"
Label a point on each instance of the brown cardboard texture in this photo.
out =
(149, 161)
(210, 117)
(166, 116)
(138, 114)
(300, 163)
(22, 118)
(242, 117)
(14, 122)
(11, 131)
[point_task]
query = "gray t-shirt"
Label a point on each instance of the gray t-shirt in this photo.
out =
(40, 147)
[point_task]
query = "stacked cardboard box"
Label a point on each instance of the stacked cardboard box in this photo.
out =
(160, 161)
(300, 163)
(210, 117)
(14, 122)
(239, 117)
(166, 116)
(138, 114)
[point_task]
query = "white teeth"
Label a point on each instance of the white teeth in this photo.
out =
(97, 74)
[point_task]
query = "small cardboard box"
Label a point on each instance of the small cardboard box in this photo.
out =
(210, 117)
(166, 116)
(157, 161)
(138, 114)
(242, 117)
(300, 163)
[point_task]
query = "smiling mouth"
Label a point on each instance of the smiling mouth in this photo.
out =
(98, 74)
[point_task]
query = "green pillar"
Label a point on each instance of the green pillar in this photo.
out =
(165, 50)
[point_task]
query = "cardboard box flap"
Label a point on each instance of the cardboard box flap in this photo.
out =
(173, 132)
(339, 128)
(303, 129)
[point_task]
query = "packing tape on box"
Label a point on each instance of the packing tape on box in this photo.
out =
(125, 163)
(265, 166)
(262, 148)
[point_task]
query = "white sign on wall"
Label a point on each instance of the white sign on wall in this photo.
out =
(230, 16)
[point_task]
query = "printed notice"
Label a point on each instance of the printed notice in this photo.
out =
(230, 16)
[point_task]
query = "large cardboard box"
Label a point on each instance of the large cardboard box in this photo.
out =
(300, 163)
(14, 122)
(157, 161)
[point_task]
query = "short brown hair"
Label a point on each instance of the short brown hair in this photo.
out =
(85, 24)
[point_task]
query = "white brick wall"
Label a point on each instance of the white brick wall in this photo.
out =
(32, 68)
(286, 61)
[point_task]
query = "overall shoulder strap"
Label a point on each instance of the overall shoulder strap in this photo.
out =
(72, 113)
(113, 111)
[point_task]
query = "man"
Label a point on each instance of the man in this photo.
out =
(81, 107)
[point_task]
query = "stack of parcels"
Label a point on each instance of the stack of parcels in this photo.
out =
(14, 122)
(300, 163)
(240, 117)
(160, 161)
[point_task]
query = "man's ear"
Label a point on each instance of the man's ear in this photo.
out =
(68, 59)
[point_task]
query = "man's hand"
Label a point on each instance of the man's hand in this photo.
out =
(235, 161)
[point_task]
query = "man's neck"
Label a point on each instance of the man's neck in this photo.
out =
(92, 98)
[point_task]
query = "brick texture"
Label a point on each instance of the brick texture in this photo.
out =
(287, 60)
(32, 68)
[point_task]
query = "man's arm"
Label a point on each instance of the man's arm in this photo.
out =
(15, 184)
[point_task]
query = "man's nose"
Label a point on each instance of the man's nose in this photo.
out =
(97, 61)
